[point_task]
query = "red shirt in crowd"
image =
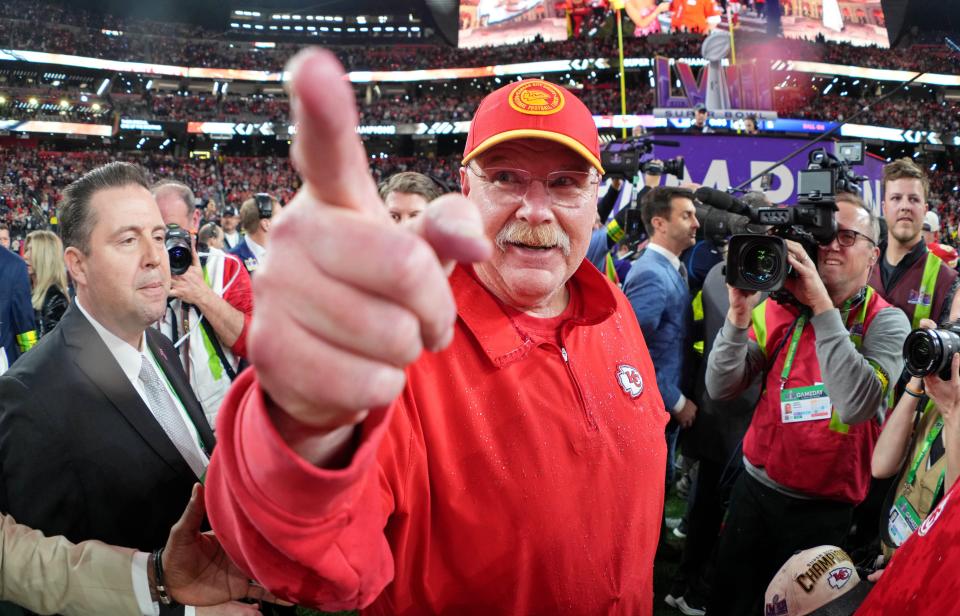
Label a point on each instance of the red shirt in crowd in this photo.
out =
(521, 471)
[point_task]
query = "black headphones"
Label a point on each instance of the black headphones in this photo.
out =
(264, 205)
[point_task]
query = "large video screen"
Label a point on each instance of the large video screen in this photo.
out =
(859, 22)
(502, 22)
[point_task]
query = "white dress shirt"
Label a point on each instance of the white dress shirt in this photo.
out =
(257, 250)
(129, 359)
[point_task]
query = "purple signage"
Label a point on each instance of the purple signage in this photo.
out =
(724, 161)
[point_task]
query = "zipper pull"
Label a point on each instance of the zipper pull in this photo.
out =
(563, 352)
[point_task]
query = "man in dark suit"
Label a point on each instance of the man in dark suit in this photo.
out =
(657, 288)
(100, 434)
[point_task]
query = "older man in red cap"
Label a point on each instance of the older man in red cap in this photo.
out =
(423, 435)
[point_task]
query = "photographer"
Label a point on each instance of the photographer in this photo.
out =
(827, 370)
(216, 289)
(256, 217)
(921, 441)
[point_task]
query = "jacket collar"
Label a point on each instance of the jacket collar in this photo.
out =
(500, 337)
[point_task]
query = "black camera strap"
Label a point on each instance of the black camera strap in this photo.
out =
(217, 347)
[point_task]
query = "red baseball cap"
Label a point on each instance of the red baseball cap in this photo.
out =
(533, 109)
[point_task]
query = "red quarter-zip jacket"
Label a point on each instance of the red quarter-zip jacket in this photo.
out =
(510, 477)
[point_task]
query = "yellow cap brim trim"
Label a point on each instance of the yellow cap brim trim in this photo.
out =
(531, 133)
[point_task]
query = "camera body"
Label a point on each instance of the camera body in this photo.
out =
(759, 262)
(179, 247)
(628, 157)
(931, 351)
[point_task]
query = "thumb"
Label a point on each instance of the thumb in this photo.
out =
(454, 229)
(189, 523)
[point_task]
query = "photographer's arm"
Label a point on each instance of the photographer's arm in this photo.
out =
(734, 362)
(227, 321)
(857, 381)
(946, 395)
(891, 448)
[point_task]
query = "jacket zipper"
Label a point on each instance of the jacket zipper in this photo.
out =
(591, 420)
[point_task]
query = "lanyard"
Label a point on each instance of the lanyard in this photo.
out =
(798, 331)
(924, 450)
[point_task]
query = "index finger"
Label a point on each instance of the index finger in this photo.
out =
(326, 151)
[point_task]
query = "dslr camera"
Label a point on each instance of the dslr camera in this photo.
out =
(931, 351)
(179, 245)
(759, 262)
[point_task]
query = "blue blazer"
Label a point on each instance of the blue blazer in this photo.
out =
(661, 302)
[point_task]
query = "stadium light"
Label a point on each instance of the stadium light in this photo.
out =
(32, 101)
(64, 102)
(96, 107)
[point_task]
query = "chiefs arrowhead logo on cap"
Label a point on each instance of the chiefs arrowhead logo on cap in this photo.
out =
(536, 97)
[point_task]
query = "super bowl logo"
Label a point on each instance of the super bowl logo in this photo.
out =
(536, 98)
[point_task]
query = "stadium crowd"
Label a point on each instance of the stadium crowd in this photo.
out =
(67, 29)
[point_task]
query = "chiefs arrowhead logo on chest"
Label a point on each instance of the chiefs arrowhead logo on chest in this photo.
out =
(630, 380)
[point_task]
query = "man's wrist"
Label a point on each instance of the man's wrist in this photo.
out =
(821, 306)
(152, 582)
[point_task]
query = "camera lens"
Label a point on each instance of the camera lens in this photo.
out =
(179, 250)
(180, 259)
(760, 263)
(929, 351)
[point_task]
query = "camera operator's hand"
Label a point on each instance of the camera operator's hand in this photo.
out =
(686, 415)
(946, 394)
(653, 179)
(356, 317)
(742, 304)
(190, 287)
(807, 286)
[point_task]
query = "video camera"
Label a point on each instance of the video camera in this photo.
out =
(626, 159)
(758, 262)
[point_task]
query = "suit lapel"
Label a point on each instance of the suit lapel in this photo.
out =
(93, 358)
(671, 271)
(170, 363)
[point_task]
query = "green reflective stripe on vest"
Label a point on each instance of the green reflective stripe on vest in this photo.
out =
(928, 284)
(697, 304)
(213, 360)
(856, 337)
(759, 320)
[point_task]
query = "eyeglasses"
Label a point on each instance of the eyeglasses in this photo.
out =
(566, 188)
(848, 237)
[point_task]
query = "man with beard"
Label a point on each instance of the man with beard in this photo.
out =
(909, 275)
(491, 442)
(658, 291)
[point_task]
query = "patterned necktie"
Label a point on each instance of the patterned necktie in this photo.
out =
(683, 275)
(170, 418)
